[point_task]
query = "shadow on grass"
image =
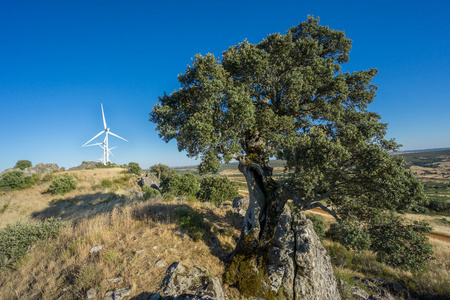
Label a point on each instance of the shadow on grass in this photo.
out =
(198, 224)
(82, 207)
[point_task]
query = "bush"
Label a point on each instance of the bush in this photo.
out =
(318, 225)
(439, 205)
(62, 184)
(23, 164)
(190, 220)
(12, 180)
(162, 171)
(149, 192)
(15, 240)
(334, 232)
(134, 168)
(217, 189)
(181, 185)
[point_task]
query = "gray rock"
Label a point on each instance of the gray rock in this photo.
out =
(149, 179)
(137, 193)
(160, 263)
(241, 202)
(41, 168)
(358, 293)
(180, 233)
(240, 205)
(117, 294)
(298, 262)
(384, 289)
(96, 249)
(91, 294)
(181, 283)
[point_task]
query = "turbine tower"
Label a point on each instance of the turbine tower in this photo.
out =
(104, 145)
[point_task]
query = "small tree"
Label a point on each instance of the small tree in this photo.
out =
(162, 171)
(23, 164)
(217, 189)
(62, 184)
(181, 185)
(134, 168)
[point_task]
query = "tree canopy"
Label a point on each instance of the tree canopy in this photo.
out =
(287, 97)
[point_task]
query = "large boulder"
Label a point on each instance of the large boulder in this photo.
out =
(189, 283)
(149, 179)
(38, 169)
(298, 264)
(41, 168)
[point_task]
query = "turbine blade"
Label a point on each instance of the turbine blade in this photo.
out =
(103, 114)
(93, 138)
(117, 136)
(96, 144)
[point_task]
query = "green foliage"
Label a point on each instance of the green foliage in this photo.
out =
(4, 207)
(106, 183)
(150, 192)
(162, 171)
(15, 240)
(62, 184)
(12, 180)
(23, 164)
(287, 97)
(217, 189)
(134, 168)
(181, 185)
(318, 225)
(190, 220)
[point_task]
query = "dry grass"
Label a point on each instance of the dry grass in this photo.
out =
(134, 237)
(23, 204)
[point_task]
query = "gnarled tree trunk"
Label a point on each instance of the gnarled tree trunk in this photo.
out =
(278, 254)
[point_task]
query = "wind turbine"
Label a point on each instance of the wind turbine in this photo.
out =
(104, 145)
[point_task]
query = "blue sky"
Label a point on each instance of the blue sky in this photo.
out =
(59, 60)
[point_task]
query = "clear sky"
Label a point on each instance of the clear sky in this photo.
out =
(59, 60)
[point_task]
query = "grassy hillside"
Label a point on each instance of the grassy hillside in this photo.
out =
(135, 234)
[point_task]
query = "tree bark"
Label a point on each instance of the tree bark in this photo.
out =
(246, 265)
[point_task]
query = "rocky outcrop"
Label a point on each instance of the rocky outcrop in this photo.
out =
(85, 165)
(38, 169)
(189, 283)
(298, 264)
(382, 289)
(41, 169)
(149, 180)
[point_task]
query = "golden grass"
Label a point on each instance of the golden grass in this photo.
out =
(134, 237)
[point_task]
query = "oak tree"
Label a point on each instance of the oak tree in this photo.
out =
(286, 97)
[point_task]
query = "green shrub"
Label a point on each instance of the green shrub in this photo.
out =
(334, 232)
(318, 225)
(62, 184)
(190, 220)
(12, 180)
(149, 192)
(181, 185)
(134, 168)
(439, 205)
(15, 240)
(162, 171)
(217, 189)
(23, 164)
